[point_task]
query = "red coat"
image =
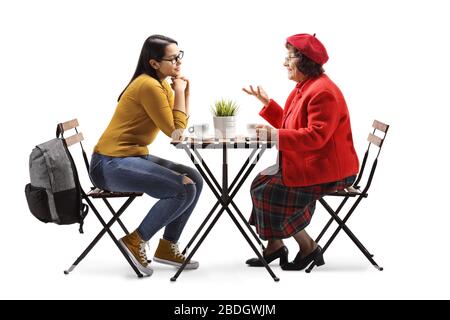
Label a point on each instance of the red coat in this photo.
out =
(315, 137)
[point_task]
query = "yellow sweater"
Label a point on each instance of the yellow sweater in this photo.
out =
(145, 108)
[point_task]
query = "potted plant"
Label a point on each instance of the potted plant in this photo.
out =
(224, 112)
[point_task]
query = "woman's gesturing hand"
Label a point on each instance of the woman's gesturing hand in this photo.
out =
(258, 93)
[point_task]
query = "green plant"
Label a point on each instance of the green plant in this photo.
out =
(224, 108)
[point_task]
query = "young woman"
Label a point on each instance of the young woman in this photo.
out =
(314, 139)
(121, 159)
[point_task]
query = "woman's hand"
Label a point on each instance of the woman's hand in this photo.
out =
(266, 133)
(186, 91)
(179, 84)
(181, 101)
(186, 94)
(265, 127)
(259, 93)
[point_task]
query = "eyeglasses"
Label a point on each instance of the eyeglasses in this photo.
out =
(289, 58)
(175, 59)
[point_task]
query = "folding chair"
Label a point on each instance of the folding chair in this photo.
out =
(97, 193)
(354, 191)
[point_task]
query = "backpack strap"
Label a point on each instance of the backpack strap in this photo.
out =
(84, 208)
(86, 161)
(84, 212)
(59, 130)
(60, 134)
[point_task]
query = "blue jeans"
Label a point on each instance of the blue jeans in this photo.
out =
(157, 177)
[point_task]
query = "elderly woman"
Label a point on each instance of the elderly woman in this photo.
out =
(316, 154)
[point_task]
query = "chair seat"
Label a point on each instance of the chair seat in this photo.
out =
(350, 191)
(99, 193)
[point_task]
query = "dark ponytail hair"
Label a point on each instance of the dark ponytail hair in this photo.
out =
(154, 48)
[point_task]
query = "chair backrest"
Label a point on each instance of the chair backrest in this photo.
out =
(377, 142)
(73, 139)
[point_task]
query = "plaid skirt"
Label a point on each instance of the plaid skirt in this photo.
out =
(280, 211)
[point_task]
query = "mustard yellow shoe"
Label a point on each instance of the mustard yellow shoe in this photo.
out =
(169, 253)
(134, 246)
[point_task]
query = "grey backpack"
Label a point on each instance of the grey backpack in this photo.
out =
(54, 194)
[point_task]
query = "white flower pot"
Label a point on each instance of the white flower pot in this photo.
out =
(225, 127)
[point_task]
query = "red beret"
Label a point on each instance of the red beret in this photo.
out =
(310, 46)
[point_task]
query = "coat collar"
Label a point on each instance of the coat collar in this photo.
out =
(302, 85)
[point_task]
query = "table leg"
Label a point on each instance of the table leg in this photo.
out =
(235, 180)
(224, 199)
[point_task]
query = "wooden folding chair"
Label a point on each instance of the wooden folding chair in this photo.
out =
(97, 193)
(354, 191)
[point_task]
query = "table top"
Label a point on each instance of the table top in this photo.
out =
(239, 142)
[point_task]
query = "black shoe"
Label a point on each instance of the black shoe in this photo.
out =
(315, 257)
(281, 253)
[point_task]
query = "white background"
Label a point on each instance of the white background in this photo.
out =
(67, 59)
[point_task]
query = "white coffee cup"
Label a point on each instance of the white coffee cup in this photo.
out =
(251, 129)
(199, 130)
